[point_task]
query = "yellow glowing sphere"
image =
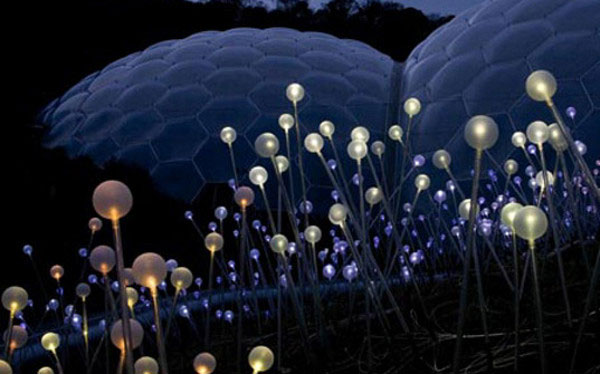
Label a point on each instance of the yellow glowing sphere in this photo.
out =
(395, 133)
(294, 92)
(518, 139)
(14, 298)
(5, 367)
(132, 296)
(508, 213)
(149, 270)
(112, 200)
(412, 106)
(539, 179)
(313, 234)
(95, 224)
(244, 196)
(441, 159)
(313, 142)
(360, 133)
(46, 370)
(205, 363)
(261, 358)
(540, 85)
(18, 337)
(373, 196)
(83, 290)
(116, 334)
(530, 223)
(422, 182)
(511, 166)
(181, 278)
(50, 341)
(57, 272)
(357, 150)
(537, 132)
(266, 145)
(228, 135)
(557, 139)
(282, 163)
(213, 242)
(146, 365)
(464, 209)
(378, 148)
(327, 128)
(278, 243)
(337, 214)
(481, 132)
(286, 121)
(103, 259)
(258, 175)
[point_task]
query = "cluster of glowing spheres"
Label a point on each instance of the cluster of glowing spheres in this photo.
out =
(294, 92)
(530, 223)
(481, 132)
(313, 142)
(149, 270)
(541, 85)
(14, 299)
(244, 196)
(116, 334)
(112, 200)
(228, 135)
(422, 182)
(261, 358)
(258, 175)
(327, 128)
(181, 278)
(214, 242)
(146, 365)
(103, 259)
(337, 214)
(537, 132)
(278, 243)
(441, 159)
(205, 363)
(50, 341)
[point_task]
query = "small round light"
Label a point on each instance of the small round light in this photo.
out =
(539, 179)
(228, 135)
(373, 195)
(261, 358)
(95, 224)
(244, 196)
(519, 139)
(422, 182)
(294, 92)
(412, 106)
(327, 128)
(357, 149)
(508, 213)
(116, 334)
(149, 270)
(481, 132)
(57, 272)
(205, 363)
(103, 259)
(395, 133)
(146, 365)
(286, 121)
(441, 159)
(464, 209)
(266, 145)
(557, 139)
(360, 133)
(313, 142)
(537, 132)
(337, 214)
(132, 296)
(282, 163)
(213, 242)
(541, 85)
(278, 243)
(83, 290)
(181, 278)
(50, 341)
(530, 223)
(258, 175)
(112, 200)
(378, 148)
(511, 167)
(312, 234)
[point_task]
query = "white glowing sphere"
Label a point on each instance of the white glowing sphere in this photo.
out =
(530, 223)
(205, 363)
(357, 150)
(261, 358)
(181, 278)
(266, 145)
(312, 234)
(294, 92)
(228, 135)
(146, 365)
(360, 133)
(378, 148)
(481, 132)
(395, 133)
(327, 128)
(213, 242)
(538, 132)
(441, 159)
(412, 106)
(464, 209)
(541, 85)
(258, 175)
(278, 243)
(539, 179)
(337, 214)
(557, 139)
(518, 139)
(511, 166)
(286, 121)
(112, 200)
(116, 334)
(313, 142)
(45, 370)
(509, 212)
(373, 195)
(149, 270)
(422, 182)
(282, 163)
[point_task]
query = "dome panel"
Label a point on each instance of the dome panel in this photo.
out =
(186, 181)
(179, 140)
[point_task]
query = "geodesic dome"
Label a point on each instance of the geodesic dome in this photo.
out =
(162, 108)
(478, 63)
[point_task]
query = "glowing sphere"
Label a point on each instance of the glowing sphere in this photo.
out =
(266, 145)
(378, 148)
(294, 92)
(511, 166)
(540, 85)
(360, 133)
(103, 259)
(45, 370)
(286, 121)
(149, 270)
(258, 175)
(530, 223)
(5, 367)
(213, 242)
(95, 224)
(181, 278)
(538, 132)
(441, 159)
(261, 358)
(395, 133)
(509, 212)
(128, 278)
(464, 209)
(481, 132)
(412, 106)
(312, 234)
(205, 363)
(50, 341)
(132, 296)
(327, 128)
(373, 195)
(57, 272)
(539, 179)
(581, 147)
(519, 139)
(313, 142)
(18, 337)
(557, 139)
(282, 163)
(244, 196)
(228, 135)
(146, 365)
(14, 298)
(83, 290)
(278, 243)
(337, 214)
(357, 149)
(116, 334)
(422, 182)
(112, 200)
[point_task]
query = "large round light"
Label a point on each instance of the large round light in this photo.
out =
(481, 132)
(266, 145)
(327, 128)
(258, 175)
(538, 132)
(441, 159)
(373, 195)
(509, 212)
(360, 133)
(18, 337)
(357, 149)
(244, 196)
(5, 368)
(294, 92)
(313, 142)
(213, 242)
(464, 209)
(228, 135)
(518, 139)
(412, 106)
(181, 278)
(146, 365)
(539, 179)
(278, 243)
(312, 234)
(103, 259)
(530, 223)
(14, 298)
(511, 166)
(205, 363)
(282, 163)
(557, 139)
(422, 182)
(395, 133)
(261, 358)
(337, 214)
(116, 334)
(286, 121)
(112, 200)
(541, 85)
(50, 341)
(149, 270)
